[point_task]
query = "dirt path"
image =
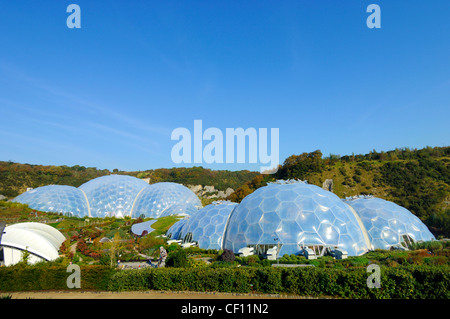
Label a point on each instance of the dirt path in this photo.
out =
(141, 295)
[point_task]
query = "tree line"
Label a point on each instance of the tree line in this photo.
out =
(15, 178)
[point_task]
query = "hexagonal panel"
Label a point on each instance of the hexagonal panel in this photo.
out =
(308, 221)
(328, 233)
(270, 221)
(288, 211)
(286, 196)
(253, 233)
(269, 204)
(289, 231)
(253, 217)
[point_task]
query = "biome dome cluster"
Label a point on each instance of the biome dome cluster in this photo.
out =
(113, 195)
(291, 216)
(294, 214)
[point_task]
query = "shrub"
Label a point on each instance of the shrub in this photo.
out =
(177, 258)
(227, 255)
(253, 260)
(222, 264)
(172, 247)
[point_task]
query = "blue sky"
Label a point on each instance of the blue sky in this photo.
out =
(109, 94)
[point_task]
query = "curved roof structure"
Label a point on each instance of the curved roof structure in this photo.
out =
(112, 195)
(163, 199)
(386, 222)
(207, 226)
(139, 228)
(175, 230)
(56, 199)
(39, 239)
(293, 214)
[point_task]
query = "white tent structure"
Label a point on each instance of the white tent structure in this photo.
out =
(40, 240)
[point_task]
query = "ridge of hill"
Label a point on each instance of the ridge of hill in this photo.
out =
(15, 178)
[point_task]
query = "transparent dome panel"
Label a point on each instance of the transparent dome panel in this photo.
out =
(56, 198)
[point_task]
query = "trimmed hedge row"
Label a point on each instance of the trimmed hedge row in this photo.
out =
(399, 282)
(396, 282)
(52, 277)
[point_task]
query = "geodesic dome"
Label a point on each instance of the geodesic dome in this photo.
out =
(174, 231)
(112, 195)
(166, 198)
(207, 226)
(294, 214)
(387, 223)
(56, 199)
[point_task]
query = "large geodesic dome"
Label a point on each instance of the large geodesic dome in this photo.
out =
(112, 195)
(387, 223)
(207, 226)
(56, 198)
(291, 215)
(166, 198)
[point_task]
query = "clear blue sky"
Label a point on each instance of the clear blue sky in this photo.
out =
(109, 94)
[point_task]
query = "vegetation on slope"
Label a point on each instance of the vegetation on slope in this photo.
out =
(15, 178)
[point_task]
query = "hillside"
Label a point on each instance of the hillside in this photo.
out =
(15, 178)
(416, 179)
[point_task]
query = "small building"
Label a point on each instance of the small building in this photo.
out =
(40, 240)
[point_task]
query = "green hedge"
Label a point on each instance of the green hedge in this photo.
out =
(25, 278)
(399, 282)
(396, 282)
